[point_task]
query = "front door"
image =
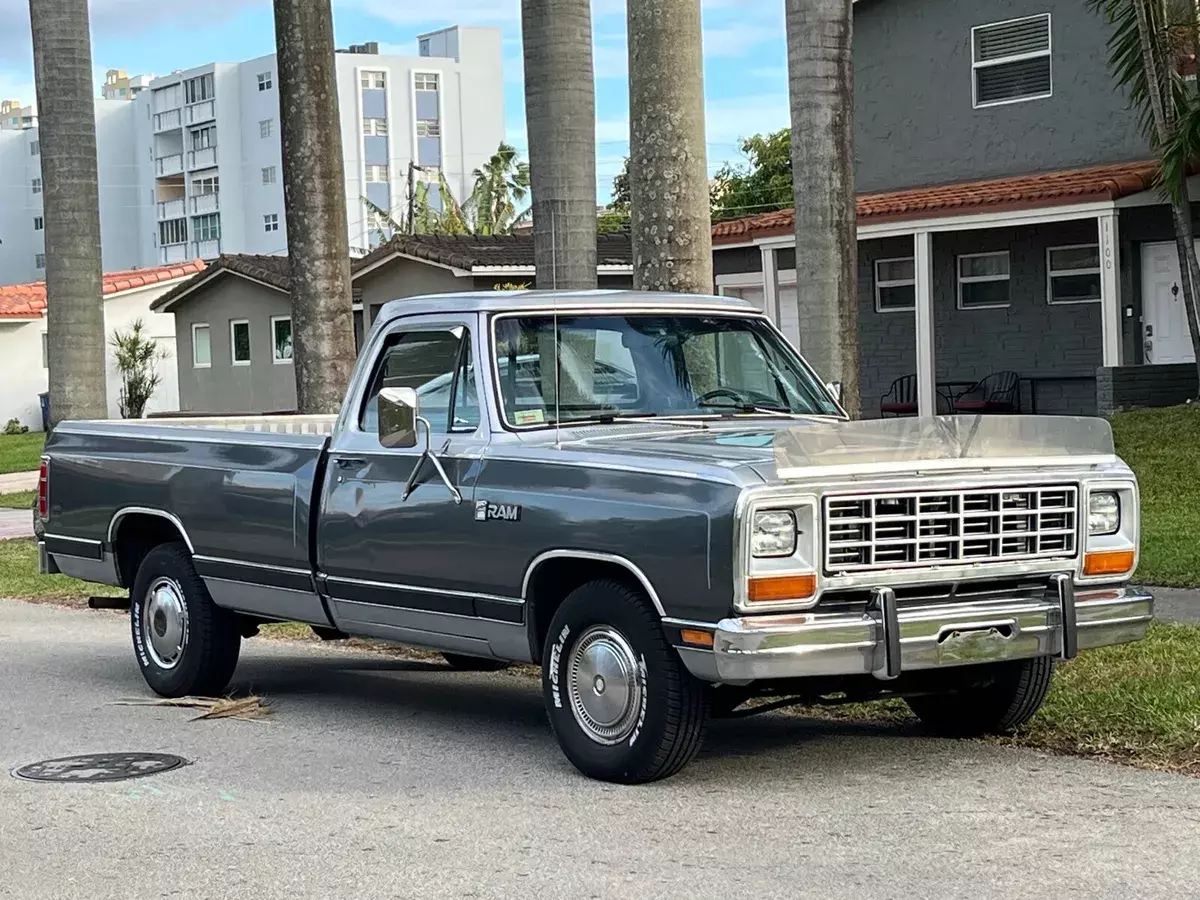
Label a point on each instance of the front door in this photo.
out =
(394, 566)
(1165, 334)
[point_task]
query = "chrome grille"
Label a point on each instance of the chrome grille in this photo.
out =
(940, 528)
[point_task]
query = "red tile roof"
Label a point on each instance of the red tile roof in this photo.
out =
(1021, 192)
(22, 301)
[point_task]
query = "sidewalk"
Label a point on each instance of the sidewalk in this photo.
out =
(18, 481)
(1176, 604)
(16, 523)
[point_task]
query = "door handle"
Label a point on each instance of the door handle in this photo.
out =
(351, 462)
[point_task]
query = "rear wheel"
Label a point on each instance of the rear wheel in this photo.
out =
(991, 699)
(621, 703)
(464, 663)
(184, 643)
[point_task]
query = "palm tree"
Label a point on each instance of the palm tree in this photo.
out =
(668, 170)
(820, 77)
(314, 199)
(1148, 52)
(501, 184)
(62, 59)
(560, 114)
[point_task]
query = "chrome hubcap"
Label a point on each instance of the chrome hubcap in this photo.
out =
(164, 623)
(604, 685)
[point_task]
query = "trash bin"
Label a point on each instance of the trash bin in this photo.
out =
(45, 399)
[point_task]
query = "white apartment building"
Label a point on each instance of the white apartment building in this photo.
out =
(192, 167)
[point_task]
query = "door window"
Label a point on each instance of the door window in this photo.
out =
(439, 366)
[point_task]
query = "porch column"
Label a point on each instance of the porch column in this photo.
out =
(770, 269)
(1110, 288)
(923, 278)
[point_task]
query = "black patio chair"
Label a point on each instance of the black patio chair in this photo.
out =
(901, 398)
(997, 393)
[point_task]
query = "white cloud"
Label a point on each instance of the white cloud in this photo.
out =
(457, 12)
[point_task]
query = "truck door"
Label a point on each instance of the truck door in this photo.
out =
(394, 566)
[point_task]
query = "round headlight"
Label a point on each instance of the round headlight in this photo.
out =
(1104, 513)
(773, 533)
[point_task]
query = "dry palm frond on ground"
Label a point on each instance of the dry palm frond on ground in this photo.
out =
(245, 708)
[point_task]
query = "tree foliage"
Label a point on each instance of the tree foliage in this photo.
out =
(762, 184)
(136, 357)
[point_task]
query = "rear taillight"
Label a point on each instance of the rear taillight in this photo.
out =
(44, 489)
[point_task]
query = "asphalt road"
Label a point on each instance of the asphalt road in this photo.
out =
(383, 778)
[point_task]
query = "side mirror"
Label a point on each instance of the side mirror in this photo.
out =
(398, 412)
(835, 388)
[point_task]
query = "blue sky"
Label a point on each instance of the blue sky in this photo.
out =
(744, 50)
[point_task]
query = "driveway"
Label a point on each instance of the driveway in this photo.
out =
(383, 778)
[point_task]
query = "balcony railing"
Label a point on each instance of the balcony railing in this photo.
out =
(165, 121)
(171, 209)
(170, 165)
(205, 203)
(172, 253)
(201, 112)
(202, 159)
(208, 249)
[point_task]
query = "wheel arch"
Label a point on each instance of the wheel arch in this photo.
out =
(554, 574)
(134, 531)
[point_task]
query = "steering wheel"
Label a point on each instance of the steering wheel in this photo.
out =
(754, 398)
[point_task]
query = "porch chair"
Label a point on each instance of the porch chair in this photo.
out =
(901, 398)
(997, 393)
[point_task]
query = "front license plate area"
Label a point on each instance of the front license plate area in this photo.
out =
(975, 644)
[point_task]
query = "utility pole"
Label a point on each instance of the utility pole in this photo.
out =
(314, 195)
(62, 61)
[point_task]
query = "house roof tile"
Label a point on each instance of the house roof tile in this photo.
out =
(1109, 182)
(270, 270)
(22, 301)
(468, 252)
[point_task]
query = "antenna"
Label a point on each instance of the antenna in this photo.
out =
(557, 333)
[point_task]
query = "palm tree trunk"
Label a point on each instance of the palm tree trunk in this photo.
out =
(821, 83)
(62, 59)
(560, 115)
(314, 200)
(668, 171)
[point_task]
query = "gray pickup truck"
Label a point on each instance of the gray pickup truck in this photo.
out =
(652, 496)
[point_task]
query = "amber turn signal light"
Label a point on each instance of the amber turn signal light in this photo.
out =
(696, 638)
(782, 587)
(1108, 562)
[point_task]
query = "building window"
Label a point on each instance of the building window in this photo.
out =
(895, 285)
(375, 127)
(429, 129)
(271, 222)
(1010, 61)
(239, 342)
(265, 82)
(281, 336)
(373, 81)
(207, 228)
(204, 138)
(172, 232)
(269, 175)
(36, 185)
(377, 173)
(983, 280)
(45, 351)
(199, 89)
(423, 47)
(208, 185)
(201, 346)
(425, 81)
(35, 148)
(1073, 273)
(266, 128)
(38, 223)
(39, 260)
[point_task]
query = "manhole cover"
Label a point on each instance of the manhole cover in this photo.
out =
(100, 767)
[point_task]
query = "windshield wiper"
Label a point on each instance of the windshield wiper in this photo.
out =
(610, 418)
(732, 407)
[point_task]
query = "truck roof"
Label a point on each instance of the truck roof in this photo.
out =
(517, 301)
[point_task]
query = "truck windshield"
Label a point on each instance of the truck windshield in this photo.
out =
(615, 366)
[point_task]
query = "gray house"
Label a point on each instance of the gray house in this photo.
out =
(1007, 220)
(233, 322)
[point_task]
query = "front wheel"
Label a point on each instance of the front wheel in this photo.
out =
(992, 699)
(184, 643)
(622, 705)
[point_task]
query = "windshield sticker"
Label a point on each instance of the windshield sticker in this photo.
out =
(529, 417)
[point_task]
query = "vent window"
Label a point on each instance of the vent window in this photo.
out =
(1010, 61)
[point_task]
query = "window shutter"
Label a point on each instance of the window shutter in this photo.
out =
(1011, 60)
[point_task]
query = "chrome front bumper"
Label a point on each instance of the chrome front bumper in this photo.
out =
(886, 640)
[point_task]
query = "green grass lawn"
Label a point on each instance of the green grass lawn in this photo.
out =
(19, 500)
(1163, 448)
(21, 452)
(19, 578)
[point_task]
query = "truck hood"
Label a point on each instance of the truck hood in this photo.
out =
(794, 449)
